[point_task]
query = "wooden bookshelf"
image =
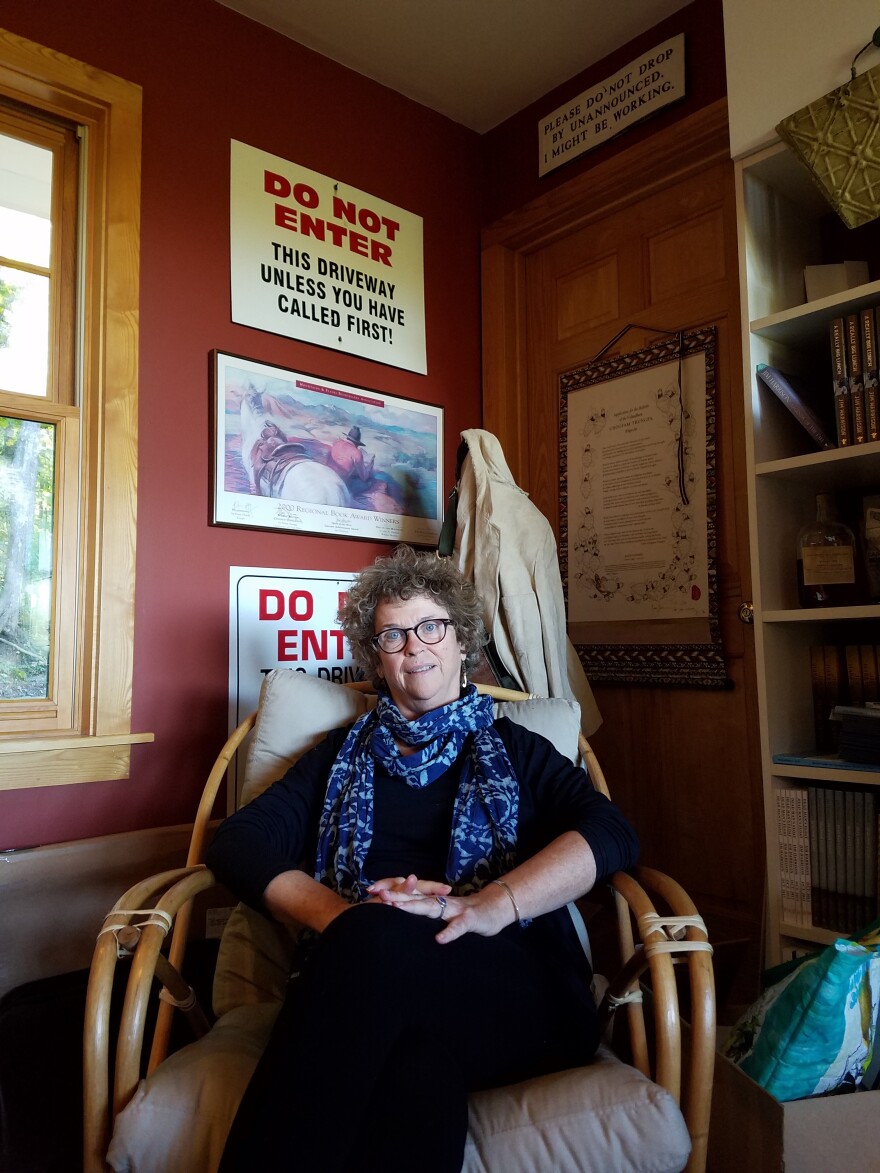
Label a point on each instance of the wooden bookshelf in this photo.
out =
(780, 217)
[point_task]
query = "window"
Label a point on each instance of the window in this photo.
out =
(69, 226)
(39, 226)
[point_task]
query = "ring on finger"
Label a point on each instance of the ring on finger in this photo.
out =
(441, 900)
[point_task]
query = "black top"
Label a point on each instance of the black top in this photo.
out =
(278, 831)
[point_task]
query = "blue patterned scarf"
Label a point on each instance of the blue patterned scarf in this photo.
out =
(486, 810)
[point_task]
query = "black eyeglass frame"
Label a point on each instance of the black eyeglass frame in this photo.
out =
(404, 631)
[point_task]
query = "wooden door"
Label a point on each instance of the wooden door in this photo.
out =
(649, 237)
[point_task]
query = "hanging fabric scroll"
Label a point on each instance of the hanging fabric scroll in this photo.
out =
(638, 513)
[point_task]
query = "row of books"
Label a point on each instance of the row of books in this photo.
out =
(828, 852)
(855, 395)
(841, 674)
(854, 373)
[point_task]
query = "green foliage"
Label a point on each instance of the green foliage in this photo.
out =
(8, 294)
(27, 518)
(44, 504)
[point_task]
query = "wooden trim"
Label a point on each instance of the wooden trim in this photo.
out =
(33, 744)
(504, 353)
(65, 212)
(84, 761)
(688, 146)
(108, 109)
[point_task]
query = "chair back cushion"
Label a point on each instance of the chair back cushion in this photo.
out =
(295, 712)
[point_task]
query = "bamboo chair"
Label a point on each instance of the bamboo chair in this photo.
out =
(158, 909)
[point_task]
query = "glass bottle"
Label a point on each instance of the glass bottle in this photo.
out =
(826, 562)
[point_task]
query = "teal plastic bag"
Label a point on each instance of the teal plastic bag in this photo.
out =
(813, 1032)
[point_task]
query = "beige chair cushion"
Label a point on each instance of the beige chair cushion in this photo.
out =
(296, 711)
(179, 1117)
(253, 964)
(605, 1118)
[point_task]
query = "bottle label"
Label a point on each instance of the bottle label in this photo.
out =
(828, 564)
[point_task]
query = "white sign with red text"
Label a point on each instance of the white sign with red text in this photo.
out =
(314, 259)
(283, 619)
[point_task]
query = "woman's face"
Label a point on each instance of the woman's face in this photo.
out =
(420, 677)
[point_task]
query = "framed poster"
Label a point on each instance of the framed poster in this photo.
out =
(638, 512)
(304, 454)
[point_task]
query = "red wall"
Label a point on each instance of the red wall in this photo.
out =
(510, 151)
(209, 75)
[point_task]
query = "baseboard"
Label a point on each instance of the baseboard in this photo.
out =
(54, 899)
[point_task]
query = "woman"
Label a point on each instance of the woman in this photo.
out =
(426, 810)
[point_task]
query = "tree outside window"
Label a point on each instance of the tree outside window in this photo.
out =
(29, 281)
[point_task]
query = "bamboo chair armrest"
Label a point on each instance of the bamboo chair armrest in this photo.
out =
(666, 939)
(158, 900)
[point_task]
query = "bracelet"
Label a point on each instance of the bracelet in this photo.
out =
(507, 888)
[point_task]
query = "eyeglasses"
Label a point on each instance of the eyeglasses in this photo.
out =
(393, 639)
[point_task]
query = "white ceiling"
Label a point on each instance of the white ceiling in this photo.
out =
(476, 61)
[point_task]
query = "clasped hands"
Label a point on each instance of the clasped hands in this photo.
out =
(485, 912)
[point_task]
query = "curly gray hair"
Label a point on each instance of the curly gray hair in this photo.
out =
(406, 574)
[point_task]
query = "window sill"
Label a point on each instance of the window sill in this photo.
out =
(60, 761)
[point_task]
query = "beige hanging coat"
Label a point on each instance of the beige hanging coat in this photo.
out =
(505, 545)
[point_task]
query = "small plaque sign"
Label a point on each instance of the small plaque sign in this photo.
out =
(638, 90)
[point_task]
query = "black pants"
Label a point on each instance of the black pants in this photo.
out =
(384, 1034)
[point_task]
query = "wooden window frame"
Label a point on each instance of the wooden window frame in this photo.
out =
(97, 453)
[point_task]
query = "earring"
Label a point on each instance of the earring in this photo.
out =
(464, 679)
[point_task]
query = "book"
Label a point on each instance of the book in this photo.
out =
(817, 684)
(817, 865)
(851, 912)
(870, 373)
(854, 674)
(835, 692)
(796, 395)
(870, 683)
(838, 864)
(817, 761)
(786, 871)
(840, 383)
(856, 379)
(802, 838)
(820, 893)
(795, 878)
(860, 899)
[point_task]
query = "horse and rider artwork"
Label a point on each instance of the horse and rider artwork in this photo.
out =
(298, 452)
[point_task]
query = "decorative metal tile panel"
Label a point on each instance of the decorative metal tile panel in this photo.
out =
(838, 138)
